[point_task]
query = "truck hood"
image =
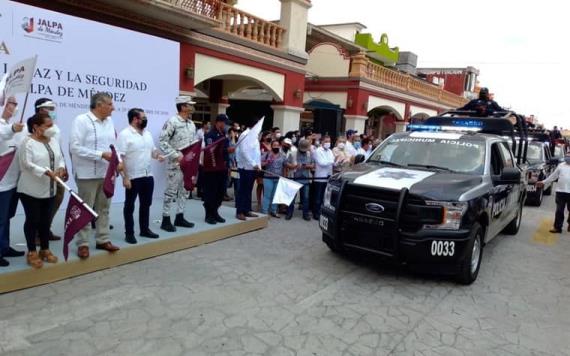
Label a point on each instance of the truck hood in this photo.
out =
(428, 184)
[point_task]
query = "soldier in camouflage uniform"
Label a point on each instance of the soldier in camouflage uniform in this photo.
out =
(178, 132)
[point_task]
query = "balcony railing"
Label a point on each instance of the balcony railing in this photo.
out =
(206, 8)
(242, 24)
(362, 67)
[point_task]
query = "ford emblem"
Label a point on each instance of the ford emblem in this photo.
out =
(374, 208)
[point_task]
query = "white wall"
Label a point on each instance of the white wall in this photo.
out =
(337, 98)
(207, 67)
(374, 102)
(74, 52)
(325, 60)
(418, 109)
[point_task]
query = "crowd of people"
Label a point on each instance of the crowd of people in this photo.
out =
(32, 176)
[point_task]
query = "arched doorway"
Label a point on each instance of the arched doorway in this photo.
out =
(382, 121)
(323, 117)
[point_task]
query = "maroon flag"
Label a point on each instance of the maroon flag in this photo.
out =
(76, 217)
(109, 183)
(5, 162)
(214, 156)
(189, 164)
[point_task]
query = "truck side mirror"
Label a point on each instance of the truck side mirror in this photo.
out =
(358, 159)
(510, 175)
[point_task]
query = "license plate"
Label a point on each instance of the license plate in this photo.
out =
(531, 188)
(324, 222)
(443, 248)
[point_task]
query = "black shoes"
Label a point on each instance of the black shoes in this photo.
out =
(13, 253)
(167, 225)
(219, 219)
(306, 218)
(130, 238)
(288, 216)
(555, 231)
(4, 262)
(148, 233)
(210, 220)
(180, 221)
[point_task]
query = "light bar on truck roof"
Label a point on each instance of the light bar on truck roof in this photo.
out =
(437, 128)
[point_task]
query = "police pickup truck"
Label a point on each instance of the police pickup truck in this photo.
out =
(541, 164)
(431, 198)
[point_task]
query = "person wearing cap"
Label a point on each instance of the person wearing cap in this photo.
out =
(215, 170)
(91, 135)
(47, 106)
(177, 133)
(11, 136)
(273, 163)
(484, 105)
(302, 174)
(137, 149)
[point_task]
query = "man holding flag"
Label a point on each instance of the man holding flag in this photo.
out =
(248, 156)
(10, 137)
(178, 133)
(92, 134)
(215, 169)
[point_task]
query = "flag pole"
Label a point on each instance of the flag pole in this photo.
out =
(62, 183)
(24, 109)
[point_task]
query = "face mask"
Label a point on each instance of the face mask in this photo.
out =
(15, 112)
(275, 149)
(327, 145)
(143, 124)
(277, 135)
(50, 132)
(294, 139)
(356, 144)
(52, 115)
(341, 146)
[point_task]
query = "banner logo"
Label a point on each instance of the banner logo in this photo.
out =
(43, 29)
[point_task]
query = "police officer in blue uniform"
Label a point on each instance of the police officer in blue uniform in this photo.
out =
(215, 169)
(484, 106)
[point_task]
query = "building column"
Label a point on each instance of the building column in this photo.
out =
(355, 122)
(218, 108)
(287, 118)
(294, 18)
(401, 126)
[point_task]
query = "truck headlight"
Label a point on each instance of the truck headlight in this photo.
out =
(331, 196)
(452, 215)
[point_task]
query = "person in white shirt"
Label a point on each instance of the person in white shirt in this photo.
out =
(366, 149)
(350, 136)
(562, 173)
(136, 147)
(177, 133)
(41, 162)
(324, 163)
(47, 106)
(91, 135)
(10, 136)
(248, 157)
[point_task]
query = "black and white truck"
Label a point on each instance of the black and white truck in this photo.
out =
(432, 197)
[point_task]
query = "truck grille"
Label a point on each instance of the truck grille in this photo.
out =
(377, 229)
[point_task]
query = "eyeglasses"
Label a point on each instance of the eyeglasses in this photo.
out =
(12, 102)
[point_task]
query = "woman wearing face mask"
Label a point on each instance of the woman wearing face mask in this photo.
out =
(273, 162)
(341, 155)
(40, 161)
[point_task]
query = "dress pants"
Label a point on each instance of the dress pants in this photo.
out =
(142, 187)
(91, 191)
(243, 199)
(8, 204)
(213, 190)
(562, 201)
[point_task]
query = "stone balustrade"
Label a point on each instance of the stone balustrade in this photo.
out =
(245, 25)
(362, 67)
(206, 8)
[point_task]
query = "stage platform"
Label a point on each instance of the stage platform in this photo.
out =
(19, 275)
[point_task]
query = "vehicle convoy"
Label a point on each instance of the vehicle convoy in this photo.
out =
(433, 197)
(541, 164)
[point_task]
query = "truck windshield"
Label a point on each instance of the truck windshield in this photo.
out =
(559, 151)
(534, 153)
(461, 156)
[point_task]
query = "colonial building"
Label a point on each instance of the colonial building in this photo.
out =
(354, 82)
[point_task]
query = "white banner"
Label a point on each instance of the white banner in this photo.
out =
(78, 57)
(19, 77)
(286, 191)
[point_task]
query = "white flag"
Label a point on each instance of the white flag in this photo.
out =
(286, 191)
(20, 77)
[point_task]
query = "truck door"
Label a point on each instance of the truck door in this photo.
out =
(499, 192)
(514, 190)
